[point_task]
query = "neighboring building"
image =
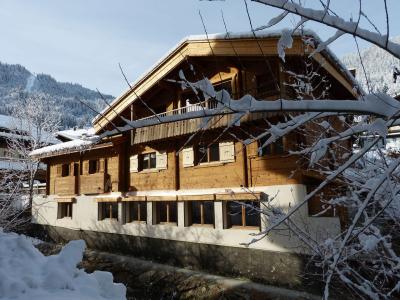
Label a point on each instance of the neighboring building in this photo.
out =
(135, 193)
(10, 129)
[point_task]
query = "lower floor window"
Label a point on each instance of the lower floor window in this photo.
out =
(243, 214)
(108, 210)
(200, 212)
(135, 211)
(166, 212)
(64, 210)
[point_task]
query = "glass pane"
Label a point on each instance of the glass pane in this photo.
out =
(114, 207)
(152, 160)
(202, 154)
(196, 217)
(252, 213)
(145, 161)
(173, 215)
(265, 150)
(214, 152)
(143, 211)
(208, 207)
(234, 213)
(134, 211)
(162, 211)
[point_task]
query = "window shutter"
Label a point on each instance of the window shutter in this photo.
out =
(85, 166)
(161, 160)
(133, 163)
(227, 152)
(59, 170)
(101, 165)
(188, 157)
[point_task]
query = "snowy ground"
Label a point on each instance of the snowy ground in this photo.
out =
(25, 273)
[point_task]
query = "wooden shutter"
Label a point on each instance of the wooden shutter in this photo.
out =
(188, 157)
(86, 167)
(227, 151)
(134, 163)
(59, 170)
(101, 165)
(161, 160)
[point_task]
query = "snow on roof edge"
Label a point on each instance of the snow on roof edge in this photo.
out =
(62, 148)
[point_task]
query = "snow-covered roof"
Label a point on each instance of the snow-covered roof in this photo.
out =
(76, 133)
(63, 148)
(227, 36)
(10, 127)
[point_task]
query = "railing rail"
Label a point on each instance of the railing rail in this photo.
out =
(208, 104)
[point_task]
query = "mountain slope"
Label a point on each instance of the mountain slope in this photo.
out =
(16, 78)
(379, 67)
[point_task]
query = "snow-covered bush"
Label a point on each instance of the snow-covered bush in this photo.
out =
(25, 273)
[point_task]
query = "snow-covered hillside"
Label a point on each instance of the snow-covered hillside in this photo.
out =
(17, 77)
(379, 68)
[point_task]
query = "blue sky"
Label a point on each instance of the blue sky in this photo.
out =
(83, 41)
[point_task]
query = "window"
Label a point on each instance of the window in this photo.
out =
(166, 212)
(65, 170)
(243, 214)
(200, 212)
(206, 154)
(148, 161)
(94, 166)
(135, 211)
(272, 149)
(108, 210)
(64, 210)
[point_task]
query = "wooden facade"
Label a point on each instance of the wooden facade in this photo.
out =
(149, 158)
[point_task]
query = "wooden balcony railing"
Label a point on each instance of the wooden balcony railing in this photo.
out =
(92, 183)
(64, 185)
(208, 104)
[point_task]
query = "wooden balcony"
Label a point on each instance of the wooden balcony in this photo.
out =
(92, 183)
(178, 128)
(64, 185)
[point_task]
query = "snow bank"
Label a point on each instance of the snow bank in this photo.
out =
(25, 273)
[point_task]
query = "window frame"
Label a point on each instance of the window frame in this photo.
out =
(129, 216)
(149, 166)
(103, 208)
(65, 170)
(200, 156)
(64, 210)
(168, 212)
(202, 203)
(243, 214)
(93, 166)
(275, 149)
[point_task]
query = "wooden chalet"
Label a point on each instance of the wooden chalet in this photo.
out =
(137, 192)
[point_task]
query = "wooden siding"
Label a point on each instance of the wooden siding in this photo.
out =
(270, 169)
(153, 179)
(92, 183)
(213, 175)
(64, 185)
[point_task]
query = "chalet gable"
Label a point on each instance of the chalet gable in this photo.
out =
(214, 47)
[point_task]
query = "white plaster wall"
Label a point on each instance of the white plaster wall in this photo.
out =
(85, 212)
